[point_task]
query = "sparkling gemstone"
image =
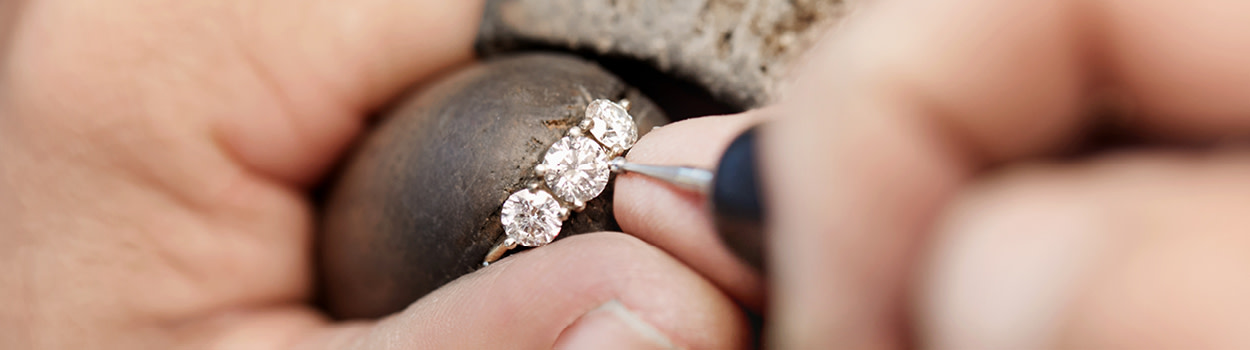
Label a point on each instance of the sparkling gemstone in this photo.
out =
(612, 125)
(577, 168)
(531, 217)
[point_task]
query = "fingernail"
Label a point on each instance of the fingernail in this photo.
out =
(612, 326)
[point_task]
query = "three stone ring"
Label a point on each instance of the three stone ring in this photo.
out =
(575, 169)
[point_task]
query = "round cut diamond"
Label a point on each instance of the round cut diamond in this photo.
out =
(612, 125)
(576, 169)
(531, 217)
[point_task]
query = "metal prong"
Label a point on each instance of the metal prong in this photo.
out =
(533, 187)
(614, 165)
(624, 103)
(575, 131)
(587, 123)
(579, 205)
(585, 94)
(689, 178)
(540, 169)
(498, 250)
(564, 213)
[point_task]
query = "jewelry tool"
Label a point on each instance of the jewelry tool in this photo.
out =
(732, 192)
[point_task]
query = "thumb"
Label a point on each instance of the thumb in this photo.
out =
(594, 291)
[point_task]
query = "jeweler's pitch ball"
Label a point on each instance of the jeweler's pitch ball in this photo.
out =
(418, 204)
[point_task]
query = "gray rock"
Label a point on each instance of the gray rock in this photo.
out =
(739, 50)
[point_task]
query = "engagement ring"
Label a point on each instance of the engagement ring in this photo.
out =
(574, 170)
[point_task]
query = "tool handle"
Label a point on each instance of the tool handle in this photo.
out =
(736, 202)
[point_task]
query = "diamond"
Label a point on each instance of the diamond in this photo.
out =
(612, 125)
(576, 169)
(531, 217)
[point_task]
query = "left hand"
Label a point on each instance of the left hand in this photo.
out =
(154, 157)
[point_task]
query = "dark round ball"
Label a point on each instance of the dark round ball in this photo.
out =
(417, 204)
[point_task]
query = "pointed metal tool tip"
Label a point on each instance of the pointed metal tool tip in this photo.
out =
(615, 164)
(688, 178)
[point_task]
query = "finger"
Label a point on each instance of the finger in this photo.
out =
(1125, 253)
(676, 220)
(594, 291)
(1182, 83)
(889, 119)
(334, 62)
(911, 98)
(367, 51)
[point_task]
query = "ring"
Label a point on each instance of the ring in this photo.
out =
(574, 170)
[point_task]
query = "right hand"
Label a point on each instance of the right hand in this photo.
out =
(915, 200)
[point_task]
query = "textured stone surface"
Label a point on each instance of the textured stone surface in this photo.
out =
(737, 49)
(418, 203)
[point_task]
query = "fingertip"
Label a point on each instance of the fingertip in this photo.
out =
(679, 221)
(693, 142)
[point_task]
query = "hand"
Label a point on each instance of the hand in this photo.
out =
(918, 198)
(154, 157)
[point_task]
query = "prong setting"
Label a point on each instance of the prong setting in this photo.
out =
(529, 217)
(615, 164)
(611, 125)
(575, 169)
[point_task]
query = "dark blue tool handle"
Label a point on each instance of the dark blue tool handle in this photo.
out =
(736, 202)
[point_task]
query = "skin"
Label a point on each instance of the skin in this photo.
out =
(154, 161)
(154, 158)
(917, 198)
